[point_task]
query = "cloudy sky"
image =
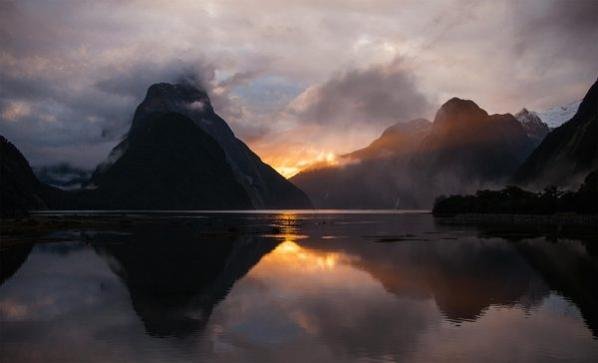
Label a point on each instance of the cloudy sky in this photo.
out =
(298, 80)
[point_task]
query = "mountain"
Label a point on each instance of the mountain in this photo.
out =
(534, 127)
(21, 191)
(168, 163)
(371, 177)
(411, 163)
(466, 144)
(568, 152)
(552, 117)
(182, 155)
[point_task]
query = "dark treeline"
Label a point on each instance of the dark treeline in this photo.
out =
(515, 200)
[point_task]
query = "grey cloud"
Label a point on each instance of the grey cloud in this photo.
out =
(379, 94)
(133, 81)
(558, 30)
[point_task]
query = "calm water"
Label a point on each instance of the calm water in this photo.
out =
(290, 287)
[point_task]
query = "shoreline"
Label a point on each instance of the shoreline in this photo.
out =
(553, 220)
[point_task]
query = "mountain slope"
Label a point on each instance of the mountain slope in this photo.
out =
(395, 140)
(568, 152)
(20, 191)
(372, 177)
(264, 186)
(169, 163)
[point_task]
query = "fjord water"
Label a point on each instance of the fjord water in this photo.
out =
(297, 287)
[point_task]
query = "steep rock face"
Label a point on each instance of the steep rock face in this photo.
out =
(533, 125)
(264, 186)
(168, 163)
(567, 153)
(20, 191)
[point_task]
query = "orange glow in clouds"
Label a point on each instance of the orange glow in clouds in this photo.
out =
(292, 163)
(308, 147)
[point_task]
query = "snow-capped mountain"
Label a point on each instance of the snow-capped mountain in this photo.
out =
(534, 127)
(558, 115)
(569, 152)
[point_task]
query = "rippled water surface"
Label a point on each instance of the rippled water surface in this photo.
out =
(292, 287)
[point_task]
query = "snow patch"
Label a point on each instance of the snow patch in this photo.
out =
(556, 116)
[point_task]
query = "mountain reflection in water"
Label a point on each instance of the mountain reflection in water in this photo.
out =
(299, 287)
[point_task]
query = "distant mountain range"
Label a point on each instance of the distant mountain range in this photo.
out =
(63, 176)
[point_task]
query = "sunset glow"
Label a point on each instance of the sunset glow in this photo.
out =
(290, 166)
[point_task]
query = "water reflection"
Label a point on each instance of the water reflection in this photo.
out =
(175, 275)
(290, 287)
(463, 277)
(11, 259)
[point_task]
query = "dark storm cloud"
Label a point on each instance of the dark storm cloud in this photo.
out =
(379, 94)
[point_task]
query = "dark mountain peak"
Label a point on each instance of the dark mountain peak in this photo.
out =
(457, 111)
(184, 98)
(182, 92)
